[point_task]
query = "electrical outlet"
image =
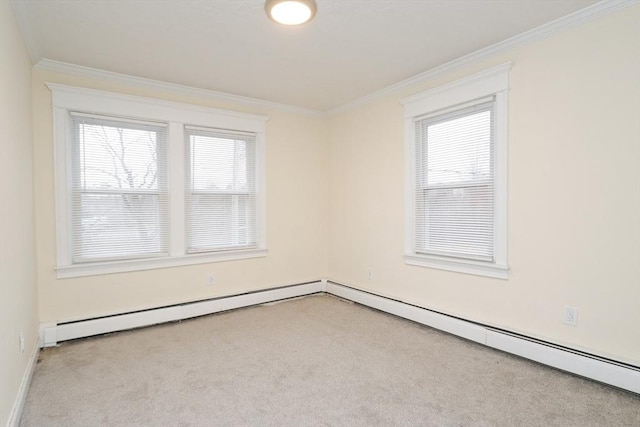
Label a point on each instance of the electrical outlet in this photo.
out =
(370, 274)
(211, 279)
(570, 315)
(21, 343)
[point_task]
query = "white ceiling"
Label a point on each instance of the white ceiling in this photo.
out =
(350, 49)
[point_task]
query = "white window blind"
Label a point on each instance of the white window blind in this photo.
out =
(119, 189)
(455, 183)
(221, 190)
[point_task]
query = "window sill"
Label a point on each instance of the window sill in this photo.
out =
(94, 269)
(478, 268)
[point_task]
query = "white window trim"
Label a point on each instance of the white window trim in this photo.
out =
(250, 191)
(492, 82)
(67, 98)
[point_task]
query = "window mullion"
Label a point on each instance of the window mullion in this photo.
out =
(177, 187)
(136, 220)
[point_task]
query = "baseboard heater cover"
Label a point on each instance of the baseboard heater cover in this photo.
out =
(53, 333)
(620, 375)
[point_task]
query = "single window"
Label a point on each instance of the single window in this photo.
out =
(221, 190)
(119, 189)
(454, 195)
(456, 175)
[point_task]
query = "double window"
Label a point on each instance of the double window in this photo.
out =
(144, 184)
(456, 176)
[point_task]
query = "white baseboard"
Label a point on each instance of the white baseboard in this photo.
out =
(617, 374)
(52, 333)
(435, 320)
(21, 398)
(579, 363)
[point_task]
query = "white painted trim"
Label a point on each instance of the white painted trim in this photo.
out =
(261, 189)
(453, 95)
(52, 333)
(478, 268)
(46, 333)
(572, 20)
(501, 183)
(82, 71)
(475, 86)
(609, 372)
(144, 108)
(18, 405)
(449, 324)
(176, 183)
(66, 99)
(125, 266)
(105, 325)
(21, 12)
(246, 300)
(62, 176)
(574, 361)
(599, 370)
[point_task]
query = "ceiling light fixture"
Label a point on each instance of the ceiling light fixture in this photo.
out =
(291, 12)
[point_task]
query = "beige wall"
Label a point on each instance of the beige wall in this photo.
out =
(574, 195)
(296, 155)
(335, 202)
(18, 298)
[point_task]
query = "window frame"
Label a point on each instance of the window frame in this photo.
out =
(67, 99)
(249, 139)
(452, 97)
(78, 190)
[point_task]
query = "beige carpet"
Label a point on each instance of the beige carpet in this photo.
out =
(315, 361)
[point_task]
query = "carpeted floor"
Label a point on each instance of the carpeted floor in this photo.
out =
(314, 361)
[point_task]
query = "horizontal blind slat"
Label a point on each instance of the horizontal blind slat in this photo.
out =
(221, 200)
(119, 188)
(454, 177)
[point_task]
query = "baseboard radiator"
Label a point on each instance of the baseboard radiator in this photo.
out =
(53, 333)
(621, 375)
(614, 373)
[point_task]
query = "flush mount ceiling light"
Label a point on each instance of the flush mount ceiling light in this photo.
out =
(291, 12)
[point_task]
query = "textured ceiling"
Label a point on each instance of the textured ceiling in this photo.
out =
(351, 48)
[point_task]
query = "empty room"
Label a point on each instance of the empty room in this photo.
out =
(299, 212)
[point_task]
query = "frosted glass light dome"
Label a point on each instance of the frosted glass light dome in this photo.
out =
(291, 12)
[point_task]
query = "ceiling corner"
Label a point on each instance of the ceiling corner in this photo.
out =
(21, 12)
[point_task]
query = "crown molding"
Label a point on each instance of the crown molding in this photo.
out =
(569, 21)
(574, 19)
(82, 71)
(26, 29)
